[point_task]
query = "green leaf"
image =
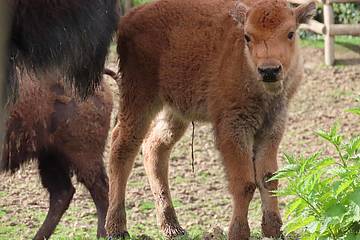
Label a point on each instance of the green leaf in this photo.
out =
(335, 129)
(287, 171)
(289, 158)
(325, 224)
(313, 227)
(343, 186)
(352, 236)
(325, 162)
(293, 206)
(335, 210)
(355, 197)
(324, 135)
(353, 149)
(298, 223)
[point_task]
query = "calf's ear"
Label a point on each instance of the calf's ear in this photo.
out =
(305, 12)
(239, 12)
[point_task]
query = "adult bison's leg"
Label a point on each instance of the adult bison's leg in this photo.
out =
(166, 131)
(55, 177)
(91, 172)
(135, 114)
(266, 147)
(99, 193)
(236, 148)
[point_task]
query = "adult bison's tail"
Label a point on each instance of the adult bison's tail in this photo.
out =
(71, 37)
(17, 147)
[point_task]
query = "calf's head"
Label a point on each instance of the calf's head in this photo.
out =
(270, 37)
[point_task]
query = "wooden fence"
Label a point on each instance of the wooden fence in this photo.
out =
(328, 28)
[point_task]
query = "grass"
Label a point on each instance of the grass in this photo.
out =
(146, 206)
(340, 42)
(140, 2)
(142, 232)
(18, 228)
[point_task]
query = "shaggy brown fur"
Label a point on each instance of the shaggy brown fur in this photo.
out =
(64, 135)
(234, 64)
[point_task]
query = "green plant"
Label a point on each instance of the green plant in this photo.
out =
(140, 2)
(344, 13)
(347, 13)
(324, 190)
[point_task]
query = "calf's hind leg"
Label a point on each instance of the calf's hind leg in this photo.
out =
(55, 177)
(133, 121)
(167, 129)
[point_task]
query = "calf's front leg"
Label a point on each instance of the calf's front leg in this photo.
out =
(266, 147)
(237, 152)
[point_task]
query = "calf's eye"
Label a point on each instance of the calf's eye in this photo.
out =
(291, 35)
(247, 38)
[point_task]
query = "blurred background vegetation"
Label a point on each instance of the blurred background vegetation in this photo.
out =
(345, 13)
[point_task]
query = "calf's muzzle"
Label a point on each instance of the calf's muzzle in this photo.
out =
(270, 73)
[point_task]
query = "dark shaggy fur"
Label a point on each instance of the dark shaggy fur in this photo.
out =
(68, 36)
(4, 20)
(65, 136)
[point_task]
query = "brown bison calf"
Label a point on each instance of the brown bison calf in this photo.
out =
(64, 135)
(234, 64)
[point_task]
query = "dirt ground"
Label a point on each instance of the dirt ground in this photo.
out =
(200, 197)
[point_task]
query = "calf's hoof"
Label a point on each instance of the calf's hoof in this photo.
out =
(173, 231)
(239, 230)
(119, 236)
(271, 225)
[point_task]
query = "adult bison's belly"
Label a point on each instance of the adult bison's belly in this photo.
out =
(81, 122)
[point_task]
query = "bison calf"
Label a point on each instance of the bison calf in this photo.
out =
(235, 64)
(64, 135)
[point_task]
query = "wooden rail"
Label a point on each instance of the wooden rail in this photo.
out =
(328, 28)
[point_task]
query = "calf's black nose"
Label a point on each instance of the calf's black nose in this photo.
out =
(269, 74)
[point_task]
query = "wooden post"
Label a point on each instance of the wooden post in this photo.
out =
(329, 39)
(329, 29)
(127, 6)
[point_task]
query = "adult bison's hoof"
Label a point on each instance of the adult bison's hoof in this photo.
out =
(120, 236)
(173, 231)
(271, 225)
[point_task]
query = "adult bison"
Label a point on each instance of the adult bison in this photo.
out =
(65, 136)
(234, 64)
(67, 37)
